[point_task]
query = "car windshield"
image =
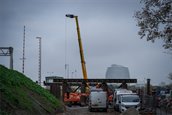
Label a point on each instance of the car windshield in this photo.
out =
(130, 98)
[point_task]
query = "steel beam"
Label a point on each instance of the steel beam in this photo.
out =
(97, 80)
(91, 81)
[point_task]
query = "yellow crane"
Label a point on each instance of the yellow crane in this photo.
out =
(74, 97)
(84, 71)
(82, 97)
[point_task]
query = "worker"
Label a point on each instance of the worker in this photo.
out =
(98, 85)
(68, 90)
(123, 85)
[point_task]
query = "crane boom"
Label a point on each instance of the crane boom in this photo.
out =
(84, 71)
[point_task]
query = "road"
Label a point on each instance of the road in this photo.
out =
(77, 110)
(162, 112)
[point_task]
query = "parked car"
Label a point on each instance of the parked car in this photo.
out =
(98, 99)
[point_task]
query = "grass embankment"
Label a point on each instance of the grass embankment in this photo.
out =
(20, 95)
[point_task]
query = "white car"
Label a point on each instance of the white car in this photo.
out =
(124, 99)
(129, 101)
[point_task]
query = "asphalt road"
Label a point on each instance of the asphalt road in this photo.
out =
(77, 110)
(162, 112)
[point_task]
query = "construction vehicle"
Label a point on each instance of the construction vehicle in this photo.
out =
(82, 97)
(75, 96)
(84, 71)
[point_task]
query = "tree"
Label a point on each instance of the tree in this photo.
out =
(155, 21)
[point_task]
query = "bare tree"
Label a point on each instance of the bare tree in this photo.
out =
(155, 21)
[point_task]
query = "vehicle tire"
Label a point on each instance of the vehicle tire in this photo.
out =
(116, 108)
(81, 105)
(69, 105)
(90, 109)
(119, 109)
(105, 110)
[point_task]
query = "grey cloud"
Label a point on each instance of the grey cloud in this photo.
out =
(108, 32)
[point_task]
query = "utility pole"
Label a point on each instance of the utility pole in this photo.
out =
(11, 57)
(148, 87)
(23, 51)
(39, 60)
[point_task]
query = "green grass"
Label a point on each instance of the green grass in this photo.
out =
(14, 89)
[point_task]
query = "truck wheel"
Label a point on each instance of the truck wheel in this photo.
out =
(81, 105)
(115, 108)
(105, 110)
(120, 110)
(69, 105)
(90, 109)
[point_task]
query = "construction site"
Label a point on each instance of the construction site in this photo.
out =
(86, 57)
(97, 95)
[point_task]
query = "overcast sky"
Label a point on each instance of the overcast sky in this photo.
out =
(108, 31)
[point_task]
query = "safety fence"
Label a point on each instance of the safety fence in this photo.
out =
(164, 106)
(152, 105)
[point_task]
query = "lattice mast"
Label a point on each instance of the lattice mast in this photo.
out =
(23, 58)
(39, 61)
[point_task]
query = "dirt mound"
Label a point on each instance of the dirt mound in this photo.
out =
(19, 95)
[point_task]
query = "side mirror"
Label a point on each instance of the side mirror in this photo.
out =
(119, 101)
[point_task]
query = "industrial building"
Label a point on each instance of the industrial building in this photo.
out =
(117, 72)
